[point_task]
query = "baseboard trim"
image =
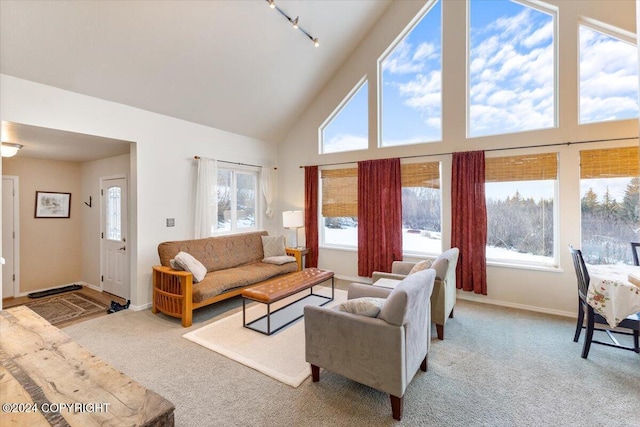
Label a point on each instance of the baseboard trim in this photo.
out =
(484, 300)
(24, 294)
(140, 307)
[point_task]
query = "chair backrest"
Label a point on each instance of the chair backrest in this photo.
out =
(635, 247)
(581, 272)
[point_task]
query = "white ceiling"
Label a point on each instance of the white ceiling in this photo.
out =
(238, 66)
(53, 144)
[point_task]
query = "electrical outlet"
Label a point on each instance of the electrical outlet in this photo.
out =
(171, 222)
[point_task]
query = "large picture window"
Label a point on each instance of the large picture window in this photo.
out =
(608, 77)
(346, 129)
(609, 185)
(411, 84)
(339, 222)
(237, 200)
(511, 68)
(520, 194)
(421, 208)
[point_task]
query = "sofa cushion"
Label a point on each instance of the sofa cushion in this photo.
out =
(365, 306)
(188, 263)
(218, 282)
(422, 265)
(279, 260)
(273, 246)
(217, 253)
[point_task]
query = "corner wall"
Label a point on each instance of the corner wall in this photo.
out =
(50, 248)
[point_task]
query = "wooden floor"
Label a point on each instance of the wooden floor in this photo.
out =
(103, 297)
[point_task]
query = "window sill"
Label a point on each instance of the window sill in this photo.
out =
(338, 248)
(534, 267)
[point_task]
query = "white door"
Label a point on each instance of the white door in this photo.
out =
(9, 234)
(115, 259)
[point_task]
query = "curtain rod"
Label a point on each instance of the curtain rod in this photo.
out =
(494, 149)
(234, 163)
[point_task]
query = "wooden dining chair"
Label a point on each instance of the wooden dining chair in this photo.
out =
(631, 322)
(635, 247)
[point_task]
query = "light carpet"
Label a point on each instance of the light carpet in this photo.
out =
(280, 355)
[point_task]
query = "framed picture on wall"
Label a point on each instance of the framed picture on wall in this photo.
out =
(52, 205)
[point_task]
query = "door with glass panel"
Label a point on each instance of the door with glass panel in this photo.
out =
(113, 223)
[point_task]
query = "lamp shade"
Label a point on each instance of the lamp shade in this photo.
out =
(292, 219)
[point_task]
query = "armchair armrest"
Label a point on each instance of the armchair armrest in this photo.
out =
(359, 290)
(338, 341)
(377, 275)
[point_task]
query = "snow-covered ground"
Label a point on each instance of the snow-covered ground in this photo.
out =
(430, 243)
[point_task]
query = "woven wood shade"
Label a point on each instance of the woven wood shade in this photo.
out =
(609, 163)
(420, 174)
(533, 167)
(339, 192)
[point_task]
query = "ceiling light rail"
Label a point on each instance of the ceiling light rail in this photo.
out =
(293, 22)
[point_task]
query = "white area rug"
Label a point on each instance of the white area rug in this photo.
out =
(280, 356)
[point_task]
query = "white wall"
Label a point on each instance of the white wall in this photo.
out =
(91, 173)
(551, 290)
(162, 165)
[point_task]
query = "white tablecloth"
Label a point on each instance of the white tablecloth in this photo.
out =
(611, 294)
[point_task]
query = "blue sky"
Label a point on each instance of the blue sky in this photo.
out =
(511, 75)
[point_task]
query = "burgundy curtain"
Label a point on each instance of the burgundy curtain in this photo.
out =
(469, 220)
(311, 214)
(379, 215)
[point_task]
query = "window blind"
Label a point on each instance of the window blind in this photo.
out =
(339, 192)
(420, 174)
(530, 167)
(609, 163)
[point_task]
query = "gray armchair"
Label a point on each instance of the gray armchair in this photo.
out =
(443, 298)
(382, 352)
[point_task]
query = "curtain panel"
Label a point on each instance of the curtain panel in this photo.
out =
(311, 214)
(379, 215)
(206, 208)
(469, 220)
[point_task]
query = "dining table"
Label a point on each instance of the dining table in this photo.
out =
(614, 291)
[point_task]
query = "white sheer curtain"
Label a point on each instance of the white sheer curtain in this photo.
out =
(268, 181)
(206, 192)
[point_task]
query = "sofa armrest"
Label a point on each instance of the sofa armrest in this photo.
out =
(359, 290)
(173, 293)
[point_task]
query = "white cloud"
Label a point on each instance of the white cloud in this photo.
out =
(425, 51)
(401, 61)
(345, 142)
(511, 74)
(608, 78)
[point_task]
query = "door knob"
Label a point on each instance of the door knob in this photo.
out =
(122, 248)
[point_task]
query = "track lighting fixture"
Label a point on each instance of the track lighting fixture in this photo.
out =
(294, 22)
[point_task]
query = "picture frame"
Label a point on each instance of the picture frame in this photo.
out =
(51, 204)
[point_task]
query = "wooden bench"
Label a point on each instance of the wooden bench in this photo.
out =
(279, 288)
(49, 379)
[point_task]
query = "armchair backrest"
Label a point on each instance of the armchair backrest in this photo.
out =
(445, 265)
(408, 305)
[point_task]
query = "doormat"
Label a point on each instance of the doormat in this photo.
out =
(58, 309)
(54, 291)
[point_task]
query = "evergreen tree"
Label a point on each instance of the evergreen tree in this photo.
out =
(630, 206)
(590, 202)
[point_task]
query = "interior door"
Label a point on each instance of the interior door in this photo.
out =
(114, 225)
(9, 282)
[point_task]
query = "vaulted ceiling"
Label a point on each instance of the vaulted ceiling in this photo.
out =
(234, 65)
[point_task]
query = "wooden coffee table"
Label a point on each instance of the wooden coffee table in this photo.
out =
(279, 288)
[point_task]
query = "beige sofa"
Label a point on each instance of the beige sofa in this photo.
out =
(233, 262)
(443, 298)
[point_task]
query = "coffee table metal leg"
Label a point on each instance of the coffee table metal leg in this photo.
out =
(269, 319)
(244, 320)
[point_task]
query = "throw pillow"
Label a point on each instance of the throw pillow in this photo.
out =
(189, 263)
(279, 260)
(365, 306)
(174, 264)
(273, 246)
(422, 265)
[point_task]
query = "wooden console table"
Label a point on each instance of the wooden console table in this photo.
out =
(47, 379)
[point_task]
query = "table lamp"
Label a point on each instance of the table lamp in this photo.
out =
(293, 220)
